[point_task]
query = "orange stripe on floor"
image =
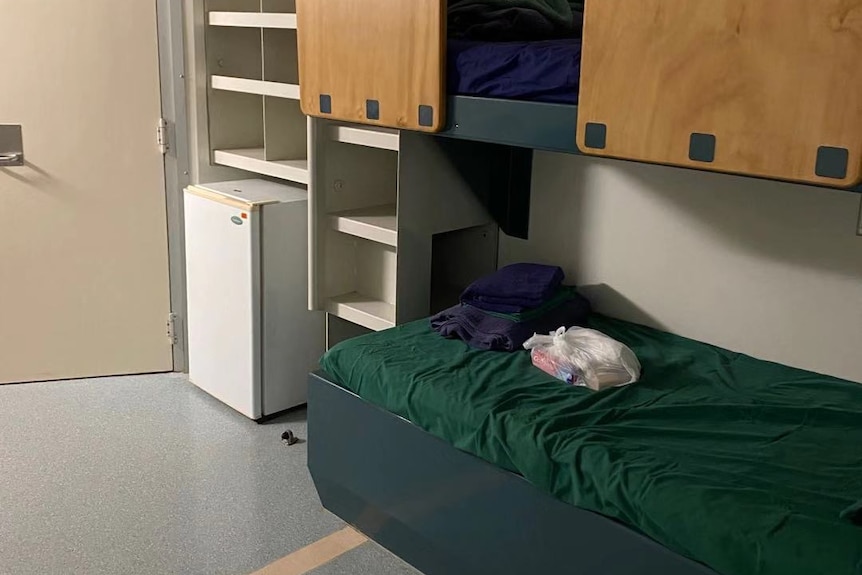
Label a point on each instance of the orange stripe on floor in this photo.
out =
(317, 554)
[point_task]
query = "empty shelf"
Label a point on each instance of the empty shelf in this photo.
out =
(362, 310)
(372, 137)
(376, 224)
(252, 160)
(263, 88)
(253, 20)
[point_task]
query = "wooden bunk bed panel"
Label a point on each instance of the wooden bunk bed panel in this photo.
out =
(769, 88)
(373, 61)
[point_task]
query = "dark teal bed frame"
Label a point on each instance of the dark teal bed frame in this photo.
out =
(449, 513)
(516, 128)
(525, 124)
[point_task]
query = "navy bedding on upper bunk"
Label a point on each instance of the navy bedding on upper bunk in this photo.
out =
(540, 71)
(515, 49)
(515, 20)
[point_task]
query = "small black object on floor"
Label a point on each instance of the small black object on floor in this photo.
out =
(289, 438)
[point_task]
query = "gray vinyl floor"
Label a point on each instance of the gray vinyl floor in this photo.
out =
(149, 475)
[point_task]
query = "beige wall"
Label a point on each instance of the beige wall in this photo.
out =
(770, 269)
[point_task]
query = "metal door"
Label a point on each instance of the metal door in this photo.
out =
(84, 284)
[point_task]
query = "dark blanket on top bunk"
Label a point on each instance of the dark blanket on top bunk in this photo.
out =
(546, 71)
(515, 49)
(505, 20)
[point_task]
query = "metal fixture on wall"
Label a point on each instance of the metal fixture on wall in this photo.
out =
(11, 146)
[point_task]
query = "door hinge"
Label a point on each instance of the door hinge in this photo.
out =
(162, 136)
(171, 329)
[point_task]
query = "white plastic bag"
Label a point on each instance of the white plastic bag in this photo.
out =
(582, 356)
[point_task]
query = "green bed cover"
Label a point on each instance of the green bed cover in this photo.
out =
(741, 464)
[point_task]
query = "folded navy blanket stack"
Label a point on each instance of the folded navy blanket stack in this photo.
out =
(503, 310)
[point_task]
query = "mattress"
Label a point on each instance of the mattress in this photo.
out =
(542, 71)
(744, 465)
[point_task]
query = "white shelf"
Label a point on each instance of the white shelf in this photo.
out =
(372, 137)
(253, 160)
(260, 87)
(377, 224)
(362, 310)
(253, 20)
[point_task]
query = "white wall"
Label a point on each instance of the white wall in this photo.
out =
(769, 269)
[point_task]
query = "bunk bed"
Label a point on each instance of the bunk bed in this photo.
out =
(767, 89)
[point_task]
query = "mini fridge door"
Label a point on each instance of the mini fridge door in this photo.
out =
(222, 275)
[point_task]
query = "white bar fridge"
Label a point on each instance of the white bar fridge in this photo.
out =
(251, 339)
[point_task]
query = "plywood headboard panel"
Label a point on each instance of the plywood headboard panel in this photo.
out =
(769, 88)
(373, 61)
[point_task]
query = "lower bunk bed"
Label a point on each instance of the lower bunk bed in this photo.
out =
(474, 462)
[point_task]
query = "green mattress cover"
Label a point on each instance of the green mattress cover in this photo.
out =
(741, 464)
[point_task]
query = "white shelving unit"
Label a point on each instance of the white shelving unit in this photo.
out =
(377, 223)
(255, 122)
(254, 160)
(385, 207)
(253, 20)
(373, 137)
(362, 310)
(259, 87)
(374, 216)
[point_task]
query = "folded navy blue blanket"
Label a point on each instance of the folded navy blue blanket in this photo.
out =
(546, 71)
(514, 288)
(494, 332)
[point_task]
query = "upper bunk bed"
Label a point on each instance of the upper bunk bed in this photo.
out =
(766, 88)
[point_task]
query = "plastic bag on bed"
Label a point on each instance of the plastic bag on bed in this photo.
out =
(585, 357)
